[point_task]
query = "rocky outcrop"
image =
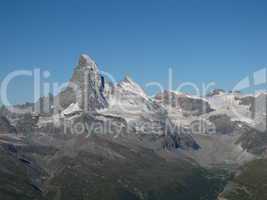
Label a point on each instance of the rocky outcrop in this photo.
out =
(223, 124)
(86, 87)
(189, 105)
(253, 141)
(215, 92)
(6, 127)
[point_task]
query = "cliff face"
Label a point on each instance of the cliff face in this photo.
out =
(86, 87)
(5, 126)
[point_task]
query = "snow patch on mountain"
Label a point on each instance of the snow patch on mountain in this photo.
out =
(74, 107)
(129, 86)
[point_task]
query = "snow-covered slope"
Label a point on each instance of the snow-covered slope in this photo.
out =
(71, 109)
(145, 116)
(130, 100)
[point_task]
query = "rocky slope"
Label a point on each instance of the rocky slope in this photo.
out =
(249, 184)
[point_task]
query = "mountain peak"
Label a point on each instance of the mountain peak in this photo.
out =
(86, 60)
(128, 85)
(129, 81)
(128, 78)
(88, 85)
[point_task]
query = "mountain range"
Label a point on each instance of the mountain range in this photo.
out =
(102, 140)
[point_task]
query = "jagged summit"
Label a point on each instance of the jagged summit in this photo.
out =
(128, 85)
(85, 69)
(85, 60)
(86, 86)
(128, 78)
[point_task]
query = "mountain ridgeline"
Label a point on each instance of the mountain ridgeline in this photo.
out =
(101, 140)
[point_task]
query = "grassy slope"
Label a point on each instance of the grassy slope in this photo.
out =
(139, 175)
(108, 171)
(14, 180)
(251, 184)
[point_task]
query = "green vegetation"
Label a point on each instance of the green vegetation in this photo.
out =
(251, 184)
(137, 175)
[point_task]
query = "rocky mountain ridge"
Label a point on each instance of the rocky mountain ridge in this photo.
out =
(105, 135)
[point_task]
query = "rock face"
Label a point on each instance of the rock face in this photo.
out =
(184, 103)
(146, 118)
(86, 87)
(129, 100)
(254, 141)
(16, 182)
(216, 92)
(6, 127)
(27, 124)
(223, 124)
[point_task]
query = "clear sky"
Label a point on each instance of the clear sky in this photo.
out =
(202, 40)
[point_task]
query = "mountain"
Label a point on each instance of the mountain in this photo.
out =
(102, 140)
(182, 103)
(99, 167)
(6, 127)
(249, 184)
(86, 87)
(123, 106)
(147, 119)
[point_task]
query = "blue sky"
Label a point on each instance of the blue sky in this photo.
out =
(202, 40)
